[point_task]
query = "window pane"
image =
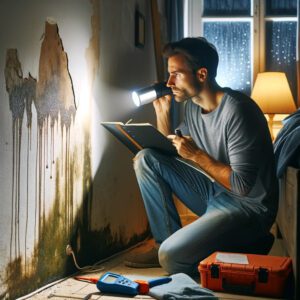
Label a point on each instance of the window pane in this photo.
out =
(281, 7)
(232, 40)
(227, 7)
(281, 49)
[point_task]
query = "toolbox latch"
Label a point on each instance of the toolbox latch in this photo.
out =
(214, 271)
(263, 275)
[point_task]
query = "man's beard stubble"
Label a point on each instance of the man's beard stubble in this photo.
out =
(185, 94)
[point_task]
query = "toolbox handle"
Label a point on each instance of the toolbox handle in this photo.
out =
(238, 288)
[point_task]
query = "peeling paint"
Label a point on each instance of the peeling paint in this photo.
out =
(54, 94)
(55, 103)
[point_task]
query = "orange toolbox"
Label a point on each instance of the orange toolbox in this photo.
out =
(246, 273)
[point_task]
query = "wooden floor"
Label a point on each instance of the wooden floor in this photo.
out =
(70, 288)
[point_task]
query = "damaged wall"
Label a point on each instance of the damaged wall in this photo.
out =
(65, 66)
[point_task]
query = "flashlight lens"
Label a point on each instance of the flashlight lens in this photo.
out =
(148, 96)
(136, 99)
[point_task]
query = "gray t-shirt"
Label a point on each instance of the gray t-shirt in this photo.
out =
(236, 134)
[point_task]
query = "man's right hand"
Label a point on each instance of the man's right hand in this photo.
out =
(162, 108)
(162, 105)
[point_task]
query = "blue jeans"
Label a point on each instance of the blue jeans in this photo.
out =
(224, 224)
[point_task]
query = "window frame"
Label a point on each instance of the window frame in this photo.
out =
(193, 26)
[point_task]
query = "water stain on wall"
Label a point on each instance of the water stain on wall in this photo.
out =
(54, 102)
(21, 95)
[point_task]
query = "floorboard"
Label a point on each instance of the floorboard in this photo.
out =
(70, 288)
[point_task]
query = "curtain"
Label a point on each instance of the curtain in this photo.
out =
(298, 54)
(174, 14)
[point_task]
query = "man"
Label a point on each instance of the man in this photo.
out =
(226, 134)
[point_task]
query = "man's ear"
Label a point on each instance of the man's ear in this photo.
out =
(202, 74)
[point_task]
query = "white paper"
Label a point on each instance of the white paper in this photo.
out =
(232, 258)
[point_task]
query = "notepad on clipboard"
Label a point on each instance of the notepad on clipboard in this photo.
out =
(138, 136)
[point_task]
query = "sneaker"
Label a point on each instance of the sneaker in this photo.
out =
(148, 259)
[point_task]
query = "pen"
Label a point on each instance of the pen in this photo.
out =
(178, 132)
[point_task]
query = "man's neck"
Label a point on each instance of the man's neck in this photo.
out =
(209, 98)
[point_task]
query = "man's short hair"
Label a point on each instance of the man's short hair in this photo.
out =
(198, 52)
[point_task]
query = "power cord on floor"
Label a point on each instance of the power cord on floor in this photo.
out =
(91, 269)
(87, 269)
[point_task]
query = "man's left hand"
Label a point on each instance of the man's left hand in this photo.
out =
(185, 146)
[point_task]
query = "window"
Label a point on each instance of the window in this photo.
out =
(251, 36)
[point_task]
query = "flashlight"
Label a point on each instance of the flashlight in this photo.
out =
(150, 93)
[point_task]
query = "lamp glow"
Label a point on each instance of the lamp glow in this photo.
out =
(273, 95)
(148, 94)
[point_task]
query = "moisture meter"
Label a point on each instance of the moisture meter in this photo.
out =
(117, 284)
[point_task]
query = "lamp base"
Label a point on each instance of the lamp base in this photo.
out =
(271, 124)
(275, 123)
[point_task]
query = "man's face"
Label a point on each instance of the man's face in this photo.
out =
(182, 80)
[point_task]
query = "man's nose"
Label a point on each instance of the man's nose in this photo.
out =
(170, 82)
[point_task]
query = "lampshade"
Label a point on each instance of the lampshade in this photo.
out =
(272, 93)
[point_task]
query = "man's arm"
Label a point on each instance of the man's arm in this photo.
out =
(162, 108)
(187, 148)
(219, 171)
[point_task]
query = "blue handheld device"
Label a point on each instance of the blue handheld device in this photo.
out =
(117, 284)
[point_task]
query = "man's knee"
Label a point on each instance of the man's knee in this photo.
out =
(166, 259)
(169, 258)
(143, 158)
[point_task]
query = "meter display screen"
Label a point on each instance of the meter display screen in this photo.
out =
(110, 279)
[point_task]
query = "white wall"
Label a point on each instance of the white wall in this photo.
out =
(89, 193)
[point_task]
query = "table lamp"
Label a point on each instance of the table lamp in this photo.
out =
(273, 95)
